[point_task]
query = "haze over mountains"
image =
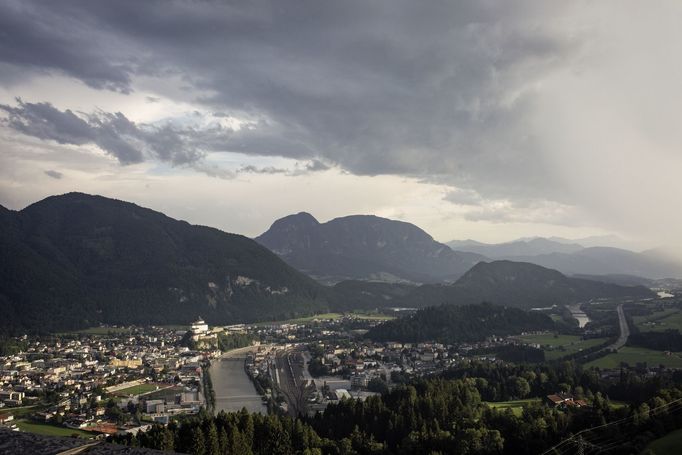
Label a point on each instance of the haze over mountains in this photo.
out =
(573, 258)
(365, 247)
(77, 260)
(520, 284)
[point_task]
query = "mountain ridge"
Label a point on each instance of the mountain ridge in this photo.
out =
(81, 260)
(364, 247)
(519, 284)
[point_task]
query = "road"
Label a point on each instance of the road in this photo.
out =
(624, 330)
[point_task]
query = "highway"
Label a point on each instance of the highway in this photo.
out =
(624, 329)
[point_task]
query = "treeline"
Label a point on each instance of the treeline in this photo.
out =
(520, 354)
(440, 415)
(456, 324)
(497, 382)
(234, 433)
(670, 340)
(234, 341)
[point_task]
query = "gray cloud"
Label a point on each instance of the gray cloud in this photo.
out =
(131, 142)
(440, 91)
(35, 38)
(112, 132)
(463, 197)
(54, 174)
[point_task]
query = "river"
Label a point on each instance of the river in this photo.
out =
(233, 387)
(578, 314)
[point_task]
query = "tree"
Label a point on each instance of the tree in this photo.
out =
(198, 446)
(521, 387)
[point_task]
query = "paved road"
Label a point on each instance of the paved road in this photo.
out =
(624, 330)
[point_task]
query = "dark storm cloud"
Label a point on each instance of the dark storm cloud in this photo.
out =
(112, 132)
(438, 90)
(35, 38)
(54, 174)
(131, 142)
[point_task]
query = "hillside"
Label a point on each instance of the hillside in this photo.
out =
(456, 324)
(518, 284)
(364, 247)
(368, 295)
(76, 260)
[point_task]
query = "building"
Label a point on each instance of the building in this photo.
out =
(359, 380)
(199, 328)
(560, 400)
(11, 397)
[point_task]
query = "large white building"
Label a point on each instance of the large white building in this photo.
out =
(199, 329)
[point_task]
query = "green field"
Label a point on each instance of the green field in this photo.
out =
(557, 346)
(50, 430)
(668, 444)
(672, 321)
(373, 316)
(21, 410)
(167, 393)
(136, 390)
(550, 339)
(332, 316)
(515, 405)
(632, 356)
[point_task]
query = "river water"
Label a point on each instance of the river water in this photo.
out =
(233, 387)
(578, 314)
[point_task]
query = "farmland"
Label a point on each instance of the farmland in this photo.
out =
(633, 355)
(557, 346)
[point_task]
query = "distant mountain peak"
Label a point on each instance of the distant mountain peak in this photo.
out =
(297, 219)
(364, 247)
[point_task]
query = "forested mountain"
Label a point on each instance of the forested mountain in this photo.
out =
(366, 248)
(518, 284)
(76, 260)
(455, 324)
(354, 294)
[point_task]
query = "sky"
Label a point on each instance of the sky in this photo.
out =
(472, 119)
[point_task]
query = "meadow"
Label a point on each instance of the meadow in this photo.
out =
(516, 406)
(633, 355)
(557, 346)
(51, 430)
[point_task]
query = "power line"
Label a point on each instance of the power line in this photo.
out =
(572, 439)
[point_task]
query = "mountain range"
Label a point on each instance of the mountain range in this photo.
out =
(77, 260)
(574, 258)
(364, 247)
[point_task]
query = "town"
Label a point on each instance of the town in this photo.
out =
(113, 380)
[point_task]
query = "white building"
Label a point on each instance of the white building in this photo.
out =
(199, 329)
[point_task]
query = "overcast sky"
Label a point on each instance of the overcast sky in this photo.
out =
(485, 120)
